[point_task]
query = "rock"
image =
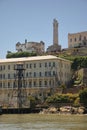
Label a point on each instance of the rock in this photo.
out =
(81, 110)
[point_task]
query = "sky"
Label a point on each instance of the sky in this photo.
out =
(33, 20)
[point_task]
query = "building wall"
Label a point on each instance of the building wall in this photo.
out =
(41, 73)
(77, 39)
(31, 47)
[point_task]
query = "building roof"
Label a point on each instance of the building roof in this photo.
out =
(35, 58)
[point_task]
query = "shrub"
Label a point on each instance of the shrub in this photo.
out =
(83, 97)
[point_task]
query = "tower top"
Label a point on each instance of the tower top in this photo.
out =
(55, 21)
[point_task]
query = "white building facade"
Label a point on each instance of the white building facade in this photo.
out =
(42, 73)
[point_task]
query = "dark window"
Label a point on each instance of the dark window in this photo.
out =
(84, 43)
(40, 83)
(45, 83)
(53, 64)
(40, 74)
(75, 39)
(49, 73)
(84, 37)
(70, 40)
(0, 85)
(8, 67)
(46, 64)
(3, 76)
(27, 74)
(34, 83)
(46, 73)
(50, 82)
(26, 65)
(80, 38)
(34, 74)
(0, 67)
(30, 74)
(0, 76)
(3, 67)
(30, 84)
(8, 84)
(34, 65)
(53, 72)
(4, 85)
(40, 65)
(8, 76)
(30, 65)
(49, 64)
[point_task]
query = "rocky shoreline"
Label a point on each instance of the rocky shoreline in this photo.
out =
(64, 110)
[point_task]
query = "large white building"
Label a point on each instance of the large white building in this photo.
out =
(41, 74)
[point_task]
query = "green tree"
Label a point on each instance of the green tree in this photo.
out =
(79, 62)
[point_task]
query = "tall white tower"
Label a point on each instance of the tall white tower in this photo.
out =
(55, 32)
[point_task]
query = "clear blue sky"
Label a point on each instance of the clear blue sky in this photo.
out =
(33, 20)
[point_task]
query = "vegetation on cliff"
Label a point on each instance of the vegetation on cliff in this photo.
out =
(20, 54)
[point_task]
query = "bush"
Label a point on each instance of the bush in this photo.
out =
(20, 54)
(62, 98)
(83, 97)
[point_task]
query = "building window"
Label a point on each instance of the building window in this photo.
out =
(40, 65)
(34, 74)
(46, 73)
(30, 84)
(53, 64)
(34, 83)
(40, 83)
(30, 74)
(4, 85)
(50, 82)
(0, 76)
(80, 38)
(26, 65)
(53, 73)
(49, 73)
(27, 74)
(40, 74)
(8, 84)
(34, 65)
(84, 43)
(30, 65)
(3, 67)
(3, 76)
(8, 67)
(14, 85)
(70, 40)
(0, 85)
(45, 83)
(0, 67)
(46, 64)
(75, 39)
(8, 76)
(84, 37)
(49, 64)
(14, 75)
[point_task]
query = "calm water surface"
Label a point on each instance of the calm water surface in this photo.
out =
(43, 122)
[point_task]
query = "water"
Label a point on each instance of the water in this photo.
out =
(43, 122)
